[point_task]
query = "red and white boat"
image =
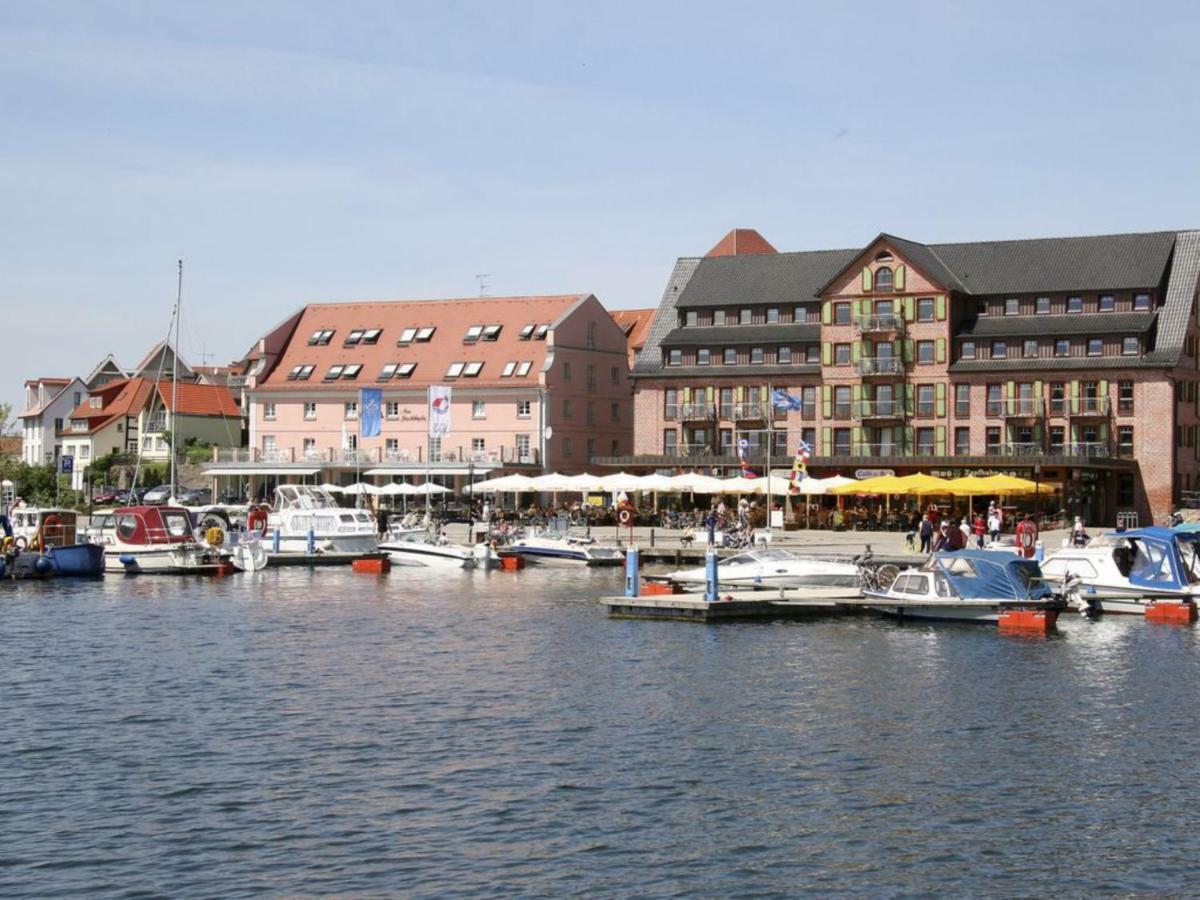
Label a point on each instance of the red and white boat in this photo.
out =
(159, 540)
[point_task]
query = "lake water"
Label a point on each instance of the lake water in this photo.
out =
(433, 734)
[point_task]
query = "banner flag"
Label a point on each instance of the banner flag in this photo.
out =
(370, 412)
(439, 410)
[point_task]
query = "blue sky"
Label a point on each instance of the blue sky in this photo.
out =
(310, 151)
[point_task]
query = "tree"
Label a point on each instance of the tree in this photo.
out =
(7, 422)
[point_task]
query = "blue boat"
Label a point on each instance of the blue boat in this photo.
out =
(77, 560)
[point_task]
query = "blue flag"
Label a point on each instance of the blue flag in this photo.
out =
(781, 399)
(370, 412)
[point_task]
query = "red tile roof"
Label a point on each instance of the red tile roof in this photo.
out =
(123, 397)
(636, 325)
(199, 399)
(741, 242)
(451, 318)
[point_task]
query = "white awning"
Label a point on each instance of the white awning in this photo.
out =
(418, 470)
(262, 470)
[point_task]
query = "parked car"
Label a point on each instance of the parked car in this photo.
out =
(157, 495)
(195, 497)
(109, 497)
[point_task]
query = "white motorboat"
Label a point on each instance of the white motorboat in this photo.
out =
(157, 540)
(248, 554)
(765, 568)
(966, 586)
(418, 550)
(301, 509)
(550, 548)
(1124, 572)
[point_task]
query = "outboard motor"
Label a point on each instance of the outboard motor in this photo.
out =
(1087, 604)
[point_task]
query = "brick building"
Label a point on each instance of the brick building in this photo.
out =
(1072, 360)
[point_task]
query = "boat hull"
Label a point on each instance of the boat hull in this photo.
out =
(161, 561)
(554, 556)
(978, 615)
(768, 582)
(332, 543)
(77, 560)
(429, 556)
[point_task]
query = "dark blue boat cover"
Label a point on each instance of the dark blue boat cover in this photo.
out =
(991, 575)
(1160, 559)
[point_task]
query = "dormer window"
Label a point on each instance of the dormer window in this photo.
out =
(527, 332)
(350, 372)
(407, 336)
(473, 333)
(426, 334)
(539, 333)
(405, 370)
(509, 368)
(1074, 304)
(1141, 301)
(456, 369)
(389, 371)
(321, 337)
(883, 278)
(371, 335)
(472, 369)
(523, 369)
(334, 373)
(491, 332)
(884, 256)
(353, 338)
(690, 318)
(300, 373)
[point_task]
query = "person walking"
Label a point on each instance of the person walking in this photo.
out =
(926, 533)
(993, 523)
(979, 529)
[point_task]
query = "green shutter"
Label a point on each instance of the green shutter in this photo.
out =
(941, 350)
(739, 394)
(826, 313)
(1074, 403)
(908, 350)
(910, 439)
(710, 391)
(910, 401)
(826, 353)
(898, 436)
(1037, 434)
(910, 308)
(856, 441)
(866, 279)
(941, 307)
(1103, 395)
(1103, 432)
(687, 396)
(826, 447)
(1010, 390)
(898, 349)
(827, 400)
(856, 351)
(939, 440)
(940, 400)
(898, 278)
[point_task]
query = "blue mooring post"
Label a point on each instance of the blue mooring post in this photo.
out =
(275, 541)
(632, 585)
(710, 575)
(312, 541)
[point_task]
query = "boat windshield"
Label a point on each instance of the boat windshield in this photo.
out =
(742, 559)
(1189, 549)
(302, 496)
(177, 523)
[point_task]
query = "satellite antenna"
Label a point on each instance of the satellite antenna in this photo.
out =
(483, 285)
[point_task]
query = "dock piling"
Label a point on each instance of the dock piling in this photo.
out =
(632, 575)
(711, 582)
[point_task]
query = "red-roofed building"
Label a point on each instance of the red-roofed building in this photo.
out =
(537, 383)
(636, 325)
(133, 415)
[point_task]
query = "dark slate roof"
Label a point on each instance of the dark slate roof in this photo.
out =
(1100, 262)
(1058, 326)
(923, 256)
(1177, 306)
(708, 335)
(649, 358)
(1053, 364)
(779, 278)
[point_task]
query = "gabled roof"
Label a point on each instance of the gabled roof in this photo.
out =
(635, 323)
(921, 256)
(451, 318)
(120, 398)
(780, 279)
(740, 335)
(741, 242)
(107, 361)
(198, 399)
(62, 385)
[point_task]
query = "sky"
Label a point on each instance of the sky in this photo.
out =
(308, 151)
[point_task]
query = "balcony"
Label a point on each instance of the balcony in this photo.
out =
(697, 412)
(880, 324)
(876, 366)
(1016, 448)
(1016, 408)
(1089, 407)
(882, 448)
(748, 412)
(156, 425)
(878, 409)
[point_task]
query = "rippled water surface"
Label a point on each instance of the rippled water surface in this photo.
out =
(429, 734)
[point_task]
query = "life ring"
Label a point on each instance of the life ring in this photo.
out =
(625, 516)
(51, 521)
(257, 520)
(21, 543)
(214, 537)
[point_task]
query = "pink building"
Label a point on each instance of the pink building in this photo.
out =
(538, 384)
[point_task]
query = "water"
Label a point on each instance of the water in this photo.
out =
(430, 734)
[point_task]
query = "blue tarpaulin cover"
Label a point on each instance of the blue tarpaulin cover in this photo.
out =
(991, 575)
(1159, 562)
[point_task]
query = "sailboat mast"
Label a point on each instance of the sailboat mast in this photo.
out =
(175, 378)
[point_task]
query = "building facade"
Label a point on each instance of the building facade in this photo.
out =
(48, 405)
(537, 383)
(1071, 360)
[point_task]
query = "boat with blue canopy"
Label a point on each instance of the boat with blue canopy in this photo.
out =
(968, 586)
(1124, 572)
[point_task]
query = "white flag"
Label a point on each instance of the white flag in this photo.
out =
(439, 410)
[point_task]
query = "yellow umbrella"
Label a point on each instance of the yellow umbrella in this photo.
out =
(1009, 484)
(882, 484)
(920, 483)
(971, 486)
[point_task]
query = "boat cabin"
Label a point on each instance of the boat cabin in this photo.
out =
(50, 527)
(1153, 558)
(973, 575)
(152, 525)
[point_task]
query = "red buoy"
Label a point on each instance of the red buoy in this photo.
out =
(380, 565)
(512, 563)
(1172, 612)
(1029, 621)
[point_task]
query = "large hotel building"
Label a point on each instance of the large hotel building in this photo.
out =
(1071, 360)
